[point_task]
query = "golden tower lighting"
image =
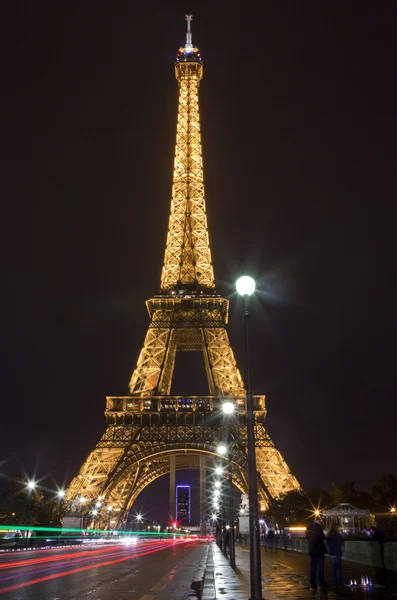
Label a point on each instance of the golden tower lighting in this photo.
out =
(150, 433)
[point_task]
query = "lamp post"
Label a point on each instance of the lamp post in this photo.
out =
(393, 514)
(110, 508)
(31, 486)
(81, 500)
(138, 520)
(228, 409)
(245, 287)
(60, 497)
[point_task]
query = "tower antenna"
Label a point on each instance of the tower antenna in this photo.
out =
(189, 45)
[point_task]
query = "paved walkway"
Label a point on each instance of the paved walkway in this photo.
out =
(284, 576)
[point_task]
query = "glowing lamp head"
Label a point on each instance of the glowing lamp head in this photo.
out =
(245, 286)
(218, 470)
(95, 512)
(61, 493)
(31, 485)
(217, 484)
(98, 504)
(110, 508)
(393, 509)
(228, 407)
(221, 449)
(82, 499)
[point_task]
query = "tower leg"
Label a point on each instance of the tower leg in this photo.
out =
(172, 487)
(203, 486)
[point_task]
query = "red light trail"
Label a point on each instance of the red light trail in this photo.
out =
(150, 549)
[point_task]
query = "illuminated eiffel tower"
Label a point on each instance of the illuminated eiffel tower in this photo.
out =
(150, 433)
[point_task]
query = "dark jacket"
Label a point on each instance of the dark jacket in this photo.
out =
(335, 543)
(315, 539)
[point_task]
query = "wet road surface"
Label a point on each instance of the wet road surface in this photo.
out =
(139, 571)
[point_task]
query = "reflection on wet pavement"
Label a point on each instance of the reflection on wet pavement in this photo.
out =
(285, 575)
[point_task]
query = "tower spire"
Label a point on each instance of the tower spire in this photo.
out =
(189, 45)
(187, 260)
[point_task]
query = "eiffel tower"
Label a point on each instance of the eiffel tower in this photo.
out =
(150, 433)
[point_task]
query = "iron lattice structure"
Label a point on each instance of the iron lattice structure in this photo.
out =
(149, 430)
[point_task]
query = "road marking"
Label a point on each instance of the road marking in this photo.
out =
(158, 587)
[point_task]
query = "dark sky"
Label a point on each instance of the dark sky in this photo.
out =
(298, 109)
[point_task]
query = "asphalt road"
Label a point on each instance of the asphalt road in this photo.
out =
(139, 571)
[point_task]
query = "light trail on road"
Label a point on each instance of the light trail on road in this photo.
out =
(42, 565)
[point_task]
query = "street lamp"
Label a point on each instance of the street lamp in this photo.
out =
(218, 470)
(393, 513)
(228, 410)
(30, 486)
(245, 287)
(221, 449)
(138, 520)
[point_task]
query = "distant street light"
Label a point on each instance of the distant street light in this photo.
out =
(393, 513)
(30, 486)
(221, 449)
(245, 287)
(219, 471)
(228, 407)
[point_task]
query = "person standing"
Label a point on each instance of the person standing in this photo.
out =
(270, 539)
(317, 550)
(335, 543)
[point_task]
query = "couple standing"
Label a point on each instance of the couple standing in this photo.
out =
(317, 550)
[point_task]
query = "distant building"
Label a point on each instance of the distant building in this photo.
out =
(183, 504)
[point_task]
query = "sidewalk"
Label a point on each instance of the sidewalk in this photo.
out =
(284, 576)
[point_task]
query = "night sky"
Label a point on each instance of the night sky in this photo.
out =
(298, 111)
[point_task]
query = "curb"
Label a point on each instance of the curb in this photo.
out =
(202, 574)
(209, 578)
